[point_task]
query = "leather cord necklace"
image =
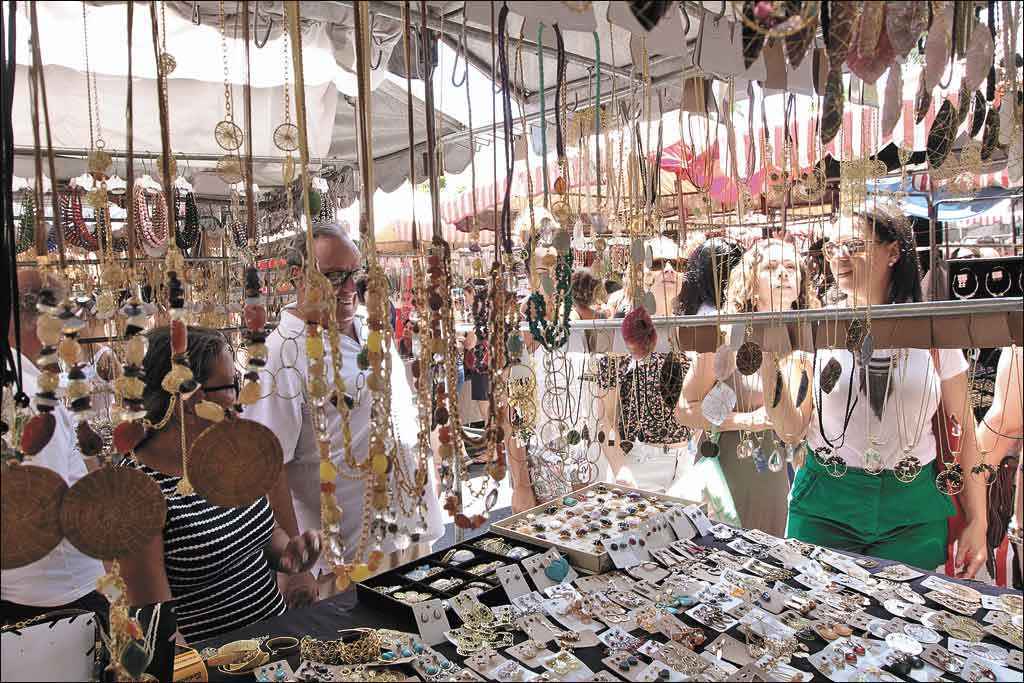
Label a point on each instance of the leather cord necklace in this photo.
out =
(509, 143)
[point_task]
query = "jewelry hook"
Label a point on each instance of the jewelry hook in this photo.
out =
(461, 51)
(255, 26)
(197, 17)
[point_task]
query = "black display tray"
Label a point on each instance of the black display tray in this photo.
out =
(985, 278)
(369, 591)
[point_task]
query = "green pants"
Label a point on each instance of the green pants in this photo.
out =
(875, 515)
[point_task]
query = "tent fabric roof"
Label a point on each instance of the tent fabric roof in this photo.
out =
(197, 90)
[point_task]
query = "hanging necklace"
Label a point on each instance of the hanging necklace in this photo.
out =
(151, 220)
(872, 457)
(827, 456)
(188, 217)
(909, 466)
(73, 224)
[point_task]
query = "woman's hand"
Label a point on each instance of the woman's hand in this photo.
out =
(300, 590)
(971, 549)
(624, 477)
(301, 553)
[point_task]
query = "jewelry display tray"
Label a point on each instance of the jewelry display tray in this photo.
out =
(582, 560)
(370, 592)
(980, 282)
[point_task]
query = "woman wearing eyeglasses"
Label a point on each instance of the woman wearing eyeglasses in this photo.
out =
(218, 564)
(869, 483)
(770, 276)
(662, 278)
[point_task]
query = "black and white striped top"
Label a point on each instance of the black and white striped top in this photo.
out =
(215, 561)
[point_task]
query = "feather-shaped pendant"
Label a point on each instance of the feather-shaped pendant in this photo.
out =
(922, 102)
(832, 108)
(963, 105)
(844, 16)
(892, 105)
(940, 137)
(980, 109)
(869, 68)
(978, 58)
(753, 41)
(936, 49)
(797, 43)
(905, 22)
(871, 23)
(990, 140)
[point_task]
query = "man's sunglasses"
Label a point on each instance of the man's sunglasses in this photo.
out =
(340, 278)
(659, 263)
(236, 386)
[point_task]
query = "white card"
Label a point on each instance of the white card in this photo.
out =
(680, 522)
(431, 620)
(987, 651)
(512, 580)
(538, 627)
(699, 519)
(623, 555)
(578, 672)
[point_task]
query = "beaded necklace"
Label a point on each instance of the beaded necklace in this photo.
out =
(151, 220)
(73, 224)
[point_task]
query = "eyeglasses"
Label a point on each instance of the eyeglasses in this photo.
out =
(852, 247)
(235, 385)
(340, 278)
(660, 263)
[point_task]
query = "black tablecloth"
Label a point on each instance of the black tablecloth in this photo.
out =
(324, 619)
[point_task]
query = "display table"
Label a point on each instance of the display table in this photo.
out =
(366, 609)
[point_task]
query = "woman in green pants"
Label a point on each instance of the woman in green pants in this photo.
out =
(869, 484)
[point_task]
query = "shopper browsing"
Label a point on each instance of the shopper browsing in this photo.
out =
(868, 484)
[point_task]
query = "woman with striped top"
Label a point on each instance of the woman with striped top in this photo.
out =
(218, 564)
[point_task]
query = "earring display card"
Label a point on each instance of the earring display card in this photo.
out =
(898, 572)
(529, 652)
(512, 580)
(568, 667)
(620, 552)
(538, 628)
(681, 525)
(276, 671)
(656, 671)
(986, 651)
(549, 569)
(978, 669)
(728, 648)
(432, 621)
(699, 518)
(624, 664)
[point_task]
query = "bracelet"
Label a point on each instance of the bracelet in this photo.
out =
(961, 280)
(997, 274)
(281, 646)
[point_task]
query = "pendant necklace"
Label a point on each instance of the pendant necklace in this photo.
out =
(909, 466)
(872, 456)
(827, 456)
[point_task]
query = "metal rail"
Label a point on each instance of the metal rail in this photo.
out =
(932, 309)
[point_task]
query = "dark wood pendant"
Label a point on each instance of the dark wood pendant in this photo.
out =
(777, 395)
(830, 375)
(709, 449)
(978, 117)
(990, 140)
(748, 358)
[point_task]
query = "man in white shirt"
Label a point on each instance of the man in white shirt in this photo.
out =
(65, 578)
(288, 413)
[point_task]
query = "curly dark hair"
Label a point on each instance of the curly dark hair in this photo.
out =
(713, 260)
(584, 284)
(204, 345)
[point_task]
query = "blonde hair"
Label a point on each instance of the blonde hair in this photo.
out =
(742, 287)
